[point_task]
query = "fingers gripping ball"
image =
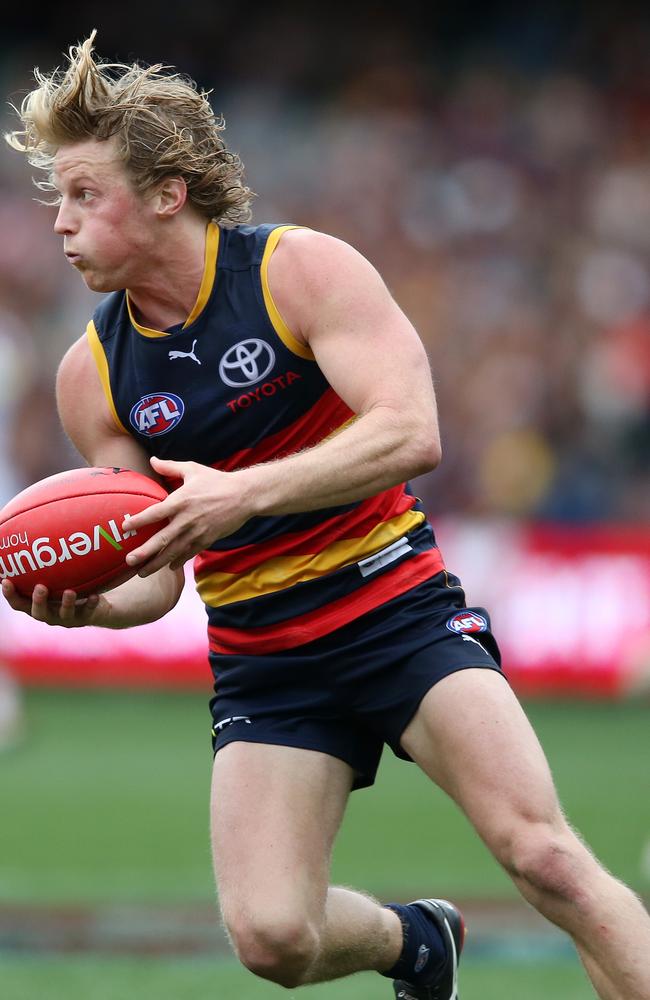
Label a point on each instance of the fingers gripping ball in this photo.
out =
(65, 531)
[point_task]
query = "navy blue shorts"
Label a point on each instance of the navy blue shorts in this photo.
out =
(357, 688)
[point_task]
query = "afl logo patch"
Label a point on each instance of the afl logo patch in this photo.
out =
(157, 414)
(467, 621)
(246, 363)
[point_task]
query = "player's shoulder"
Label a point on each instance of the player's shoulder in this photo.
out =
(317, 262)
(77, 369)
(312, 275)
(81, 401)
(311, 246)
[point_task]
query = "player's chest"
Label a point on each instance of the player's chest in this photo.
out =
(204, 397)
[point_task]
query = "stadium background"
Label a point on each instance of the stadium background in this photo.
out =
(493, 164)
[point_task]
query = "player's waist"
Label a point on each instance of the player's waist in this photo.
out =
(280, 563)
(270, 620)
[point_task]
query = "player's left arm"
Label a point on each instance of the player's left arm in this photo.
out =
(335, 302)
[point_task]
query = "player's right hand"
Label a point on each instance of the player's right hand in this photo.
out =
(70, 611)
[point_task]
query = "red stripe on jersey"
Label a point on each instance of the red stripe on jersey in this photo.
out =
(327, 413)
(321, 621)
(353, 524)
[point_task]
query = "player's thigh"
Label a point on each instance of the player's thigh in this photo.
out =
(472, 737)
(275, 813)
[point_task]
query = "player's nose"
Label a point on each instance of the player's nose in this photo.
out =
(64, 222)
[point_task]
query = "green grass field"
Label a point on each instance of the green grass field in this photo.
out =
(105, 802)
(162, 979)
(107, 799)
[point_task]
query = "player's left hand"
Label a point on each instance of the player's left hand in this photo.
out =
(207, 506)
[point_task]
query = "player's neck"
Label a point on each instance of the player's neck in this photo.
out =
(165, 293)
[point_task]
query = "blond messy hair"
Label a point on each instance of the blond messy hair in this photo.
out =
(164, 126)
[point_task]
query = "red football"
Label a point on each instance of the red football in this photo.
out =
(66, 531)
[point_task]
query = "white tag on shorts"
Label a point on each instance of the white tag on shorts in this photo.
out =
(384, 557)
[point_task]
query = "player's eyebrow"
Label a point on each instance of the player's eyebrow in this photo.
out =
(78, 179)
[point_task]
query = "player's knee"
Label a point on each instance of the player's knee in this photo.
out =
(549, 861)
(279, 949)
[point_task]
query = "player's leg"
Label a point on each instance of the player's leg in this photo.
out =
(275, 813)
(471, 736)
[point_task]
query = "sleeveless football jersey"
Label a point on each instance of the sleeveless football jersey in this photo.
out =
(230, 388)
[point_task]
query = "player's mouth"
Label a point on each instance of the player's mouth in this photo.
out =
(73, 258)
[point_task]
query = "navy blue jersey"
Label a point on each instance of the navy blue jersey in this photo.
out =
(230, 388)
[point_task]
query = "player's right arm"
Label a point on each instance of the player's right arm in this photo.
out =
(89, 423)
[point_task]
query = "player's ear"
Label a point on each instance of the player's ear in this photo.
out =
(170, 196)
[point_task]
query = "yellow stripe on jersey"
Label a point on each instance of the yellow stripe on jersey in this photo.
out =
(207, 284)
(209, 272)
(144, 330)
(282, 572)
(102, 367)
(280, 327)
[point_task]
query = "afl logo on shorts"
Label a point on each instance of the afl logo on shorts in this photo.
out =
(157, 414)
(246, 363)
(467, 621)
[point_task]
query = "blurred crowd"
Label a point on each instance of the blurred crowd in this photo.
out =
(506, 205)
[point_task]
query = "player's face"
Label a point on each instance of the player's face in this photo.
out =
(107, 226)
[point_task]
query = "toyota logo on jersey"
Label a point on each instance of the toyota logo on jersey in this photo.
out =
(157, 414)
(467, 621)
(246, 363)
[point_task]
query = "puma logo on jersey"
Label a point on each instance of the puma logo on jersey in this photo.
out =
(218, 726)
(470, 638)
(185, 354)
